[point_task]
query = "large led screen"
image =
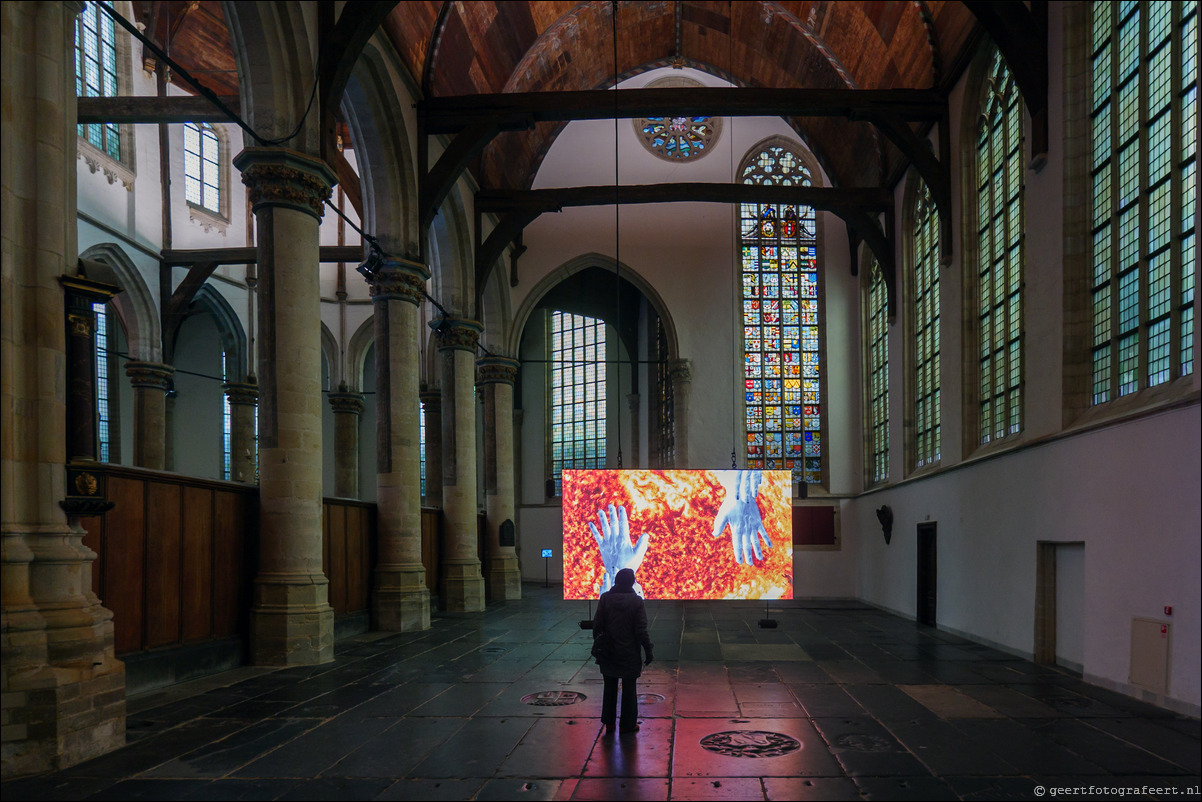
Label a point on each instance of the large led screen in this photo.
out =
(686, 534)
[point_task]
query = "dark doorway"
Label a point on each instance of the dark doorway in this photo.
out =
(927, 574)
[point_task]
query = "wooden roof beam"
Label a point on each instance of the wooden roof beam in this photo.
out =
(152, 110)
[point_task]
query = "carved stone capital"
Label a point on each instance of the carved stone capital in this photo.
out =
(496, 370)
(241, 393)
(458, 333)
(284, 177)
(431, 400)
(680, 370)
(351, 403)
(150, 375)
(399, 280)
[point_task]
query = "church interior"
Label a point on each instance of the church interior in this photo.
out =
(308, 307)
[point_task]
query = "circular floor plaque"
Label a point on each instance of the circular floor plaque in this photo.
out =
(750, 743)
(553, 698)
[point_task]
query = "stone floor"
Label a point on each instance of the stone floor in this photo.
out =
(842, 701)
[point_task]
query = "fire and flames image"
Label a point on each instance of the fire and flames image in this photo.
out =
(677, 511)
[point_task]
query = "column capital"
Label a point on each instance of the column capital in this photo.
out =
(496, 370)
(151, 375)
(431, 398)
(457, 333)
(680, 370)
(285, 177)
(399, 280)
(241, 392)
(351, 403)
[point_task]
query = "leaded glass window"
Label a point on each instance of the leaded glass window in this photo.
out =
(103, 407)
(226, 424)
(202, 169)
(877, 314)
(924, 316)
(577, 353)
(780, 314)
(1000, 255)
(421, 413)
(96, 71)
(665, 401)
(1143, 172)
(678, 138)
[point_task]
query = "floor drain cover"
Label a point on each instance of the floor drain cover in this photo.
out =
(750, 743)
(857, 742)
(651, 698)
(553, 698)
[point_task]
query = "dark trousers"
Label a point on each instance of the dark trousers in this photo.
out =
(630, 702)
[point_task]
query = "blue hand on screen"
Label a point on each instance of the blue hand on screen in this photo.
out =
(616, 551)
(740, 511)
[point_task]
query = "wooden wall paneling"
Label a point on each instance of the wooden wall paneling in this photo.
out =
(162, 574)
(337, 566)
(231, 563)
(124, 551)
(367, 557)
(93, 527)
(196, 564)
(354, 561)
(431, 537)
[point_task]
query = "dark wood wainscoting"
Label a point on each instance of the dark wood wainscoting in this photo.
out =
(176, 557)
(348, 530)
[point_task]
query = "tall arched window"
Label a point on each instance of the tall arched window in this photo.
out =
(1000, 256)
(781, 354)
(576, 350)
(96, 71)
(104, 394)
(202, 167)
(924, 328)
(876, 315)
(1144, 116)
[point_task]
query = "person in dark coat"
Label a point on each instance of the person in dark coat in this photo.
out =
(619, 629)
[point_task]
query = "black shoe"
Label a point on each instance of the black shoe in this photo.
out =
(629, 730)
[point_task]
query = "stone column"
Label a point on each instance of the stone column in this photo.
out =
(463, 586)
(681, 374)
(244, 447)
(291, 621)
(347, 408)
(432, 406)
(61, 689)
(495, 375)
(401, 602)
(151, 382)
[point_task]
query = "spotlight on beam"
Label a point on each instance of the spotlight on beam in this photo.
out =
(371, 264)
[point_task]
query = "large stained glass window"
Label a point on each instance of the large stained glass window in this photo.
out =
(781, 365)
(227, 471)
(577, 353)
(103, 406)
(924, 316)
(877, 314)
(96, 71)
(1143, 172)
(678, 138)
(202, 172)
(1000, 254)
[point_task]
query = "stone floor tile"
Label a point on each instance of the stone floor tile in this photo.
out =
(723, 788)
(621, 790)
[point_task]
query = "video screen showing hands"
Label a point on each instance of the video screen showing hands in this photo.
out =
(696, 534)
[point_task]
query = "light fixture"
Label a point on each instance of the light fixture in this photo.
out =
(372, 264)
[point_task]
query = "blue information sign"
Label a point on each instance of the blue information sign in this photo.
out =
(546, 552)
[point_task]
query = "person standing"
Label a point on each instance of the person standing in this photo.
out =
(619, 629)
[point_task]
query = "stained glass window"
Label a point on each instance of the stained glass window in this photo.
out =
(1143, 174)
(665, 451)
(924, 314)
(202, 172)
(678, 138)
(103, 413)
(1000, 267)
(577, 353)
(96, 71)
(781, 358)
(877, 315)
(226, 425)
(421, 412)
